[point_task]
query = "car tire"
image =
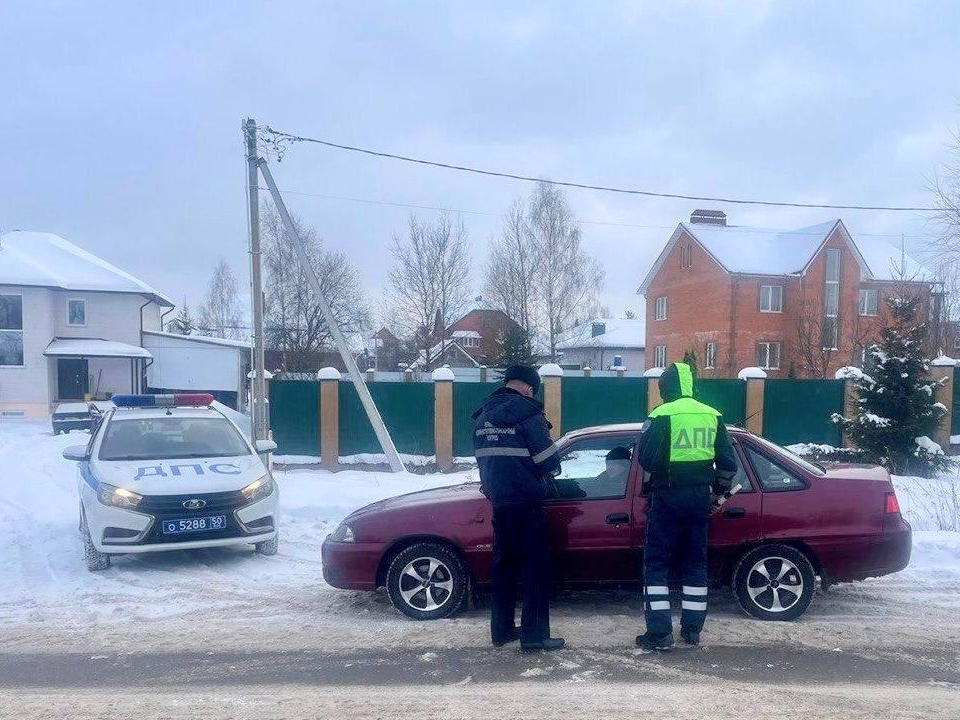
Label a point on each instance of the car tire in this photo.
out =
(95, 559)
(440, 568)
(774, 582)
(268, 547)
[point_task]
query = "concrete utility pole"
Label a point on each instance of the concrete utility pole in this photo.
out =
(258, 413)
(386, 442)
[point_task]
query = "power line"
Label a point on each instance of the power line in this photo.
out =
(280, 140)
(582, 221)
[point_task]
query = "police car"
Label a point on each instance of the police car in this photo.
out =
(170, 472)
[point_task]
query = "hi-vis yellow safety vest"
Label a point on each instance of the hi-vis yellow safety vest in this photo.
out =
(693, 425)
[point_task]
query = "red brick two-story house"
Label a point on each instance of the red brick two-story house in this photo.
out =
(803, 302)
(475, 339)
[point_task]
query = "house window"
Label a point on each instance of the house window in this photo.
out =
(76, 312)
(660, 356)
(771, 298)
(11, 330)
(768, 355)
(711, 356)
(831, 300)
(661, 308)
(869, 301)
(686, 256)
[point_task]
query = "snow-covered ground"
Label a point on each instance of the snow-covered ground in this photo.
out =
(50, 598)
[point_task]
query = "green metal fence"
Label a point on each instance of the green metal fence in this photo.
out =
(467, 398)
(602, 400)
(407, 411)
(295, 416)
(727, 396)
(800, 410)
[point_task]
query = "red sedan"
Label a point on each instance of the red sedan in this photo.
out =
(792, 522)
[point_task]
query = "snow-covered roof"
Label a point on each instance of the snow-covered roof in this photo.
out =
(94, 347)
(438, 349)
(241, 344)
(761, 251)
(47, 260)
(466, 334)
(619, 333)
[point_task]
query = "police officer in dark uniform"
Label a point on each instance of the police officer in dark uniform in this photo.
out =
(517, 458)
(685, 448)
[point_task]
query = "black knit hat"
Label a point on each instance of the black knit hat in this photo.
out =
(523, 373)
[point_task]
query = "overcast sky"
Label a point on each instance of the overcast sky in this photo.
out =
(120, 121)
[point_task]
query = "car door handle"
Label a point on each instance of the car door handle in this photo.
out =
(735, 513)
(618, 519)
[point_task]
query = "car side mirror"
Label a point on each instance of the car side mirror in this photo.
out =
(77, 453)
(265, 446)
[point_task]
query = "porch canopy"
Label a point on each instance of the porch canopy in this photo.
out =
(94, 348)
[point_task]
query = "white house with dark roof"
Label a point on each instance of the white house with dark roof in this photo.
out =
(71, 324)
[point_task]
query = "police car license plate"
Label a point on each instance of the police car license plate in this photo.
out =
(195, 524)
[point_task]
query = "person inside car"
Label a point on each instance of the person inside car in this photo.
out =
(613, 480)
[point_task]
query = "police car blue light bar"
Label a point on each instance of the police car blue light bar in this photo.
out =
(172, 400)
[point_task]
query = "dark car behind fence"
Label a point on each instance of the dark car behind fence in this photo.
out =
(791, 411)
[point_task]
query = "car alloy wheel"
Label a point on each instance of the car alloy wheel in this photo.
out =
(427, 581)
(775, 584)
(426, 584)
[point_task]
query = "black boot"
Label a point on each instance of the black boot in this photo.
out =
(512, 637)
(545, 645)
(690, 637)
(654, 642)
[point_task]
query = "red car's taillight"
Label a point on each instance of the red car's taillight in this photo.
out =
(892, 504)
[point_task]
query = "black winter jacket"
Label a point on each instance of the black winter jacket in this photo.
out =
(511, 440)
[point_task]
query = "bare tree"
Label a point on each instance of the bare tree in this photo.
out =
(220, 313)
(945, 187)
(293, 320)
(569, 279)
(428, 283)
(512, 268)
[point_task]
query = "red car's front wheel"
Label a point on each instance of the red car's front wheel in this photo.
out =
(427, 581)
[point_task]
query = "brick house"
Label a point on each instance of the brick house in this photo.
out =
(803, 302)
(475, 339)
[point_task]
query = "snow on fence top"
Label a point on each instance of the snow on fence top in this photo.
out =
(943, 361)
(852, 373)
(328, 373)
(751, 373)
(551, 370)
(442, 373)
(653, 372)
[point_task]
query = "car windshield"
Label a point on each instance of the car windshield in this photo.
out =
(171, 437)
(805, 464)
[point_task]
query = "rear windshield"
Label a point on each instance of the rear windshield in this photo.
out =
(171, 437)
(805, 464)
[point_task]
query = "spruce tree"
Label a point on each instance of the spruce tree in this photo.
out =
(516, 349)
(896, 410)
(690, 358)
(183, 323)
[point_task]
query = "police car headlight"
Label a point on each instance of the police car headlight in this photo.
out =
(343, 534)
(118, 497)
(258, 489)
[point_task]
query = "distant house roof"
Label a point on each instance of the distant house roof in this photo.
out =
(479, 318)
(47, 260)
(438, 349)
(618, 333)
(759, 251)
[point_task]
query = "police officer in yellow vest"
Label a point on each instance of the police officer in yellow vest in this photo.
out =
(685, 448)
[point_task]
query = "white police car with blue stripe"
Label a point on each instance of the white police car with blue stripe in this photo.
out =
(170, 472)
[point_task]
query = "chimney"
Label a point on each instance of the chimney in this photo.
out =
(598, 328)
(708, 217)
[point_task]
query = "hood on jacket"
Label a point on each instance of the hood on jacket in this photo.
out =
(676, 382)
(508, 407)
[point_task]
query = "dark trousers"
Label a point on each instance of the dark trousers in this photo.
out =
(676, 532)
(520, 553)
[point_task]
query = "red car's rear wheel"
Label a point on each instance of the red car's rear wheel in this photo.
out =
(774, 582)
(427, 581)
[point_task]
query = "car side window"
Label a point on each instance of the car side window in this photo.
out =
(595, 468)
(741, 478)
(772, 476)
